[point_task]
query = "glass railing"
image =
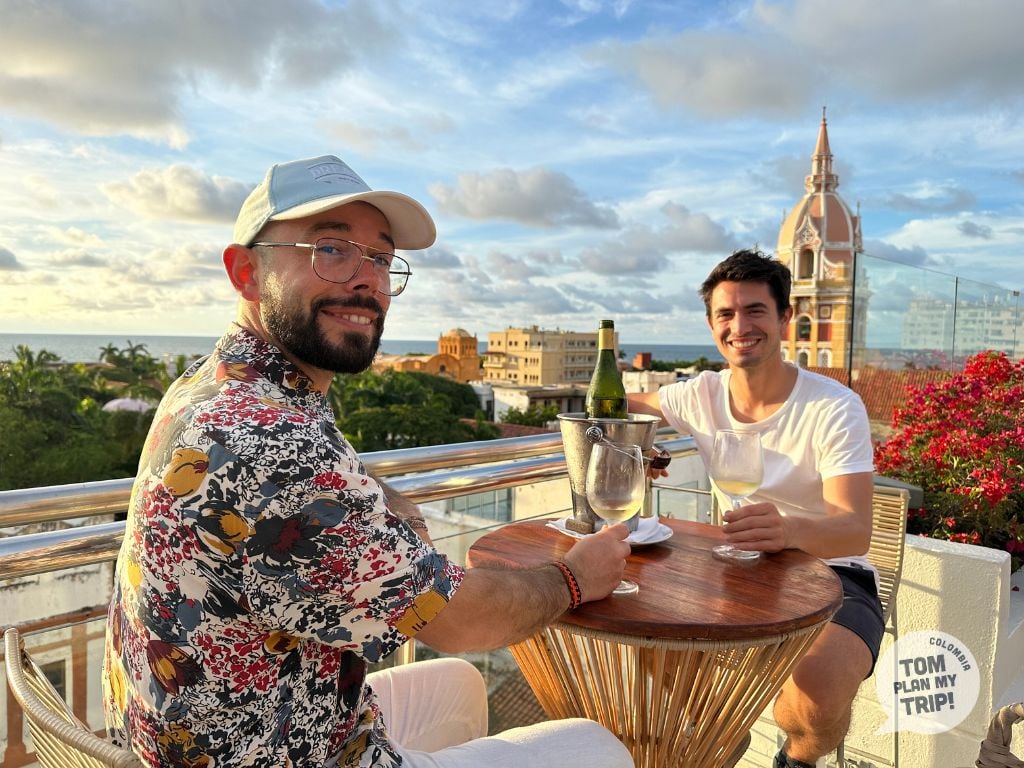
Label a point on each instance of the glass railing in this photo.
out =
(58, 545)
(908, 317)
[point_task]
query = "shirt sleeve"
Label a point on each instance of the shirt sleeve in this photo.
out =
(845, 446)
(672, 399)
(319, 554)
(327, 560)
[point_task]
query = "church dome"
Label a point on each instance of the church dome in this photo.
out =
(813, 213)
(459, 332)
(821, 222)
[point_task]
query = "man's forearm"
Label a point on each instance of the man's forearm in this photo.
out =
(494, 608)
(645, 402)
(838, 535)
(846, 528)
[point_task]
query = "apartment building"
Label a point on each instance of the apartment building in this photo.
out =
(532, 357)
(966, 327)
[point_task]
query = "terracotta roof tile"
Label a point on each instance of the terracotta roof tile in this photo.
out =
(883, 390)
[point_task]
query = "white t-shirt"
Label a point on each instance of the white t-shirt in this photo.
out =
(821, 431)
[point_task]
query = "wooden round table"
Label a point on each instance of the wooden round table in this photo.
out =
(681, 670)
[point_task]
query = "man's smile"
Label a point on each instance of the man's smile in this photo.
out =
(357, 319)
(347, 316)
(743, 343)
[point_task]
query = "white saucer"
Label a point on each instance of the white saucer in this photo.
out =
(649, 531)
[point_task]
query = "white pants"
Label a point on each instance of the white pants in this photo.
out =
(436, 712)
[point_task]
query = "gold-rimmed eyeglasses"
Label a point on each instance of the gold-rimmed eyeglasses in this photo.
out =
(337, 261)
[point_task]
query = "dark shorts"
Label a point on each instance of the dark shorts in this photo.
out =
(861, 613)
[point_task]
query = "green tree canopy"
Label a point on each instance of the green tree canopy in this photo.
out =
(55, 431)
(406, 409)
(701, 363)
(54, 428)
(532, 416)
(134, 371)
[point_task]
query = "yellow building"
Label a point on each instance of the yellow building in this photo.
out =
(457, 358)
(818, 241)
(534, 357)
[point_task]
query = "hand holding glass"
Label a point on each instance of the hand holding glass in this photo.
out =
(616, 481)
(737, 469)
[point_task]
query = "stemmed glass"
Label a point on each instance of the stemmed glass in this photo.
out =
(616, 482)
(737, 469)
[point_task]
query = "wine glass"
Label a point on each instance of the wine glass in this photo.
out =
(737, 469)
(616, 482)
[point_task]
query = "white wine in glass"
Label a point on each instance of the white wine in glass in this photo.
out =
(616, 482)
(737, 469)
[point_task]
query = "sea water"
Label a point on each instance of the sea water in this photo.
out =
(85, 348)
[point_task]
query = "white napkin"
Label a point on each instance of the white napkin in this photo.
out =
(648, 529)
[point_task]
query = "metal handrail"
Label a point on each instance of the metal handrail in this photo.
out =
(60, 502)
(480, 466)
(63, 502)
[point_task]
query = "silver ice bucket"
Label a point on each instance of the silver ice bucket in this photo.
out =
(638, 429)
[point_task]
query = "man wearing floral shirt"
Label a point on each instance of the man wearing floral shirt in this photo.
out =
(262, 568)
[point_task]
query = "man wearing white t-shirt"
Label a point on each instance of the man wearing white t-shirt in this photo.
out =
(816, 493)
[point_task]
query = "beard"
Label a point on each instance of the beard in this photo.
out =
(298, 333)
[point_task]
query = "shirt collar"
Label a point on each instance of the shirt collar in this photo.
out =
(239, 345)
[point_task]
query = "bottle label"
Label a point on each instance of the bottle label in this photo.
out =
(606, 338)
(606, 408)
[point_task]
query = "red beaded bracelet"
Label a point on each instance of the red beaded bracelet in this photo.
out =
(575, 594)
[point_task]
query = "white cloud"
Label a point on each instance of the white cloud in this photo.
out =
(529, 83)
(716, 74)
(974, 53)
(368, 138)
(74, 236)
(179, 192)
(537, 197)
(77, 258)
(9, 262)
(187, 264)
(437, 257)
(784, 57)
(123, 68)
(973, 229)
(642, 251)
(630, 300)
(41, 188)
(913, 255)
(929, 198)
(945, 235)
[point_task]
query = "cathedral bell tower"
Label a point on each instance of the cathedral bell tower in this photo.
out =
(818, 242)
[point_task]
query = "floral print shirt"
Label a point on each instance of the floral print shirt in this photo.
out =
(261, 570)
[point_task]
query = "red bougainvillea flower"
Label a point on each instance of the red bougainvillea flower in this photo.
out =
(962, 441)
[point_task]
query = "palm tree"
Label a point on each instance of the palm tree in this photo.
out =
(110, 353)
(34, 382)
(135, 373)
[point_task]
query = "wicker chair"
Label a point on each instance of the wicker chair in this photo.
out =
(995, 749)
(60, 739)
(888, 537)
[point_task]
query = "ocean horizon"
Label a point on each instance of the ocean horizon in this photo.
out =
(85, 348)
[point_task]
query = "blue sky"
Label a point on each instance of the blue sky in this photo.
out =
(582, 159)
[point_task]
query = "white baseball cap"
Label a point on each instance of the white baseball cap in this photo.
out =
(305, 187)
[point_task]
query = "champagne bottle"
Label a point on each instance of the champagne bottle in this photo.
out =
(606, 398)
